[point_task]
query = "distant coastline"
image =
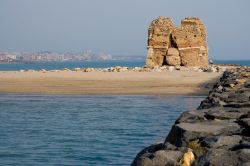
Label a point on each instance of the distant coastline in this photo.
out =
(46, 56)
(131, 61)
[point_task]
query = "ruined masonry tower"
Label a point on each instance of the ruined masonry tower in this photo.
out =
(177, 46)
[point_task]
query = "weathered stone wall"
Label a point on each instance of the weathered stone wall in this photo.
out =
(158, 40)
(189, 40)
(217, 133)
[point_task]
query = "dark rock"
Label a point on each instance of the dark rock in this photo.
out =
(159, 155)
(240, 98)
(245, 123)
(221, 96)
(162, 157)
(191, 116)
(225, 142)
(222, 157)
(247, 84)
(218, 132)
(211, 102)
(244, 157)
(247, 115)
(244, 144)
(222, 113)
(238, 105)
(183, 133)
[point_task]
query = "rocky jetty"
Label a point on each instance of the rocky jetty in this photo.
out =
(177, 46)
(217, 133)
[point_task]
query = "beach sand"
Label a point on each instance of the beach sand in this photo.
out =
(108, 83)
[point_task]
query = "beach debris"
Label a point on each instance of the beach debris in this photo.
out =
(178, 67)
(157, 69)
(43, 70)
(55, 70)
(89, 69)
(164, 68)
(77, 69)
(66, 69)
(171, 68)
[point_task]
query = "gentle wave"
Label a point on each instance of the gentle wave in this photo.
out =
(84, 130)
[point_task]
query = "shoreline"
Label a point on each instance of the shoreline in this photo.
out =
(102, 95)
(108, 83)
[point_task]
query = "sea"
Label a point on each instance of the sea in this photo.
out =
(95, 64)
(84, 130)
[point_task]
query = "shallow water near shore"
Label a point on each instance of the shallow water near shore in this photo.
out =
(94, 64)
(84, 130)
(70, 64)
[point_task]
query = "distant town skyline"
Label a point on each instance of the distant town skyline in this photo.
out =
(118, 27)
(10, 57)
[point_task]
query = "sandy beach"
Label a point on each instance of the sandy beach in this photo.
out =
(108, 83)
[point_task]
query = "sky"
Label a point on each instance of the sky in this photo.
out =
(118, 27)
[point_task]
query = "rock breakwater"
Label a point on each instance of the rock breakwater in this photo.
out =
(217, 133)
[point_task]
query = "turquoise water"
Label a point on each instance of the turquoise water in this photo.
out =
(71, 65)
(84, 130)
(235, 62)
(95, 64)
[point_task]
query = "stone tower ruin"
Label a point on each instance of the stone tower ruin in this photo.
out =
(177, 46)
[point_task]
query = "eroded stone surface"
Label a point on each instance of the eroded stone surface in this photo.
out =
(158, 40)
(189, 41)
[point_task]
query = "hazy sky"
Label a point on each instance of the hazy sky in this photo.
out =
(118, 27)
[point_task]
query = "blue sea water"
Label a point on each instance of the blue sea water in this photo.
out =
(84, 130)
(70, 64)
(95, 64)
(233, 62)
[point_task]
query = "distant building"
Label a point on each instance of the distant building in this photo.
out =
(8, 57)
(50, 56)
